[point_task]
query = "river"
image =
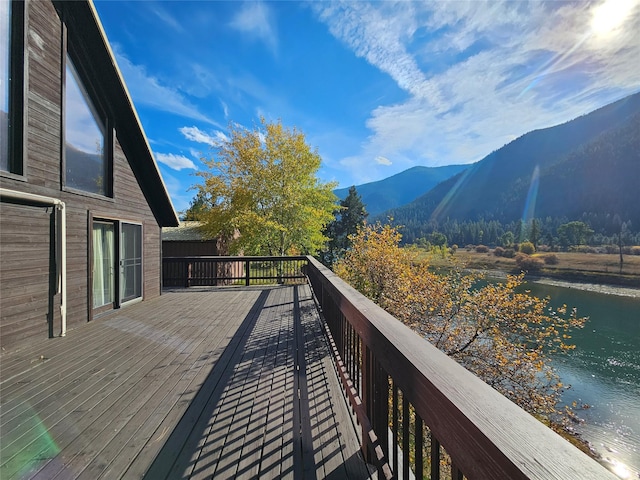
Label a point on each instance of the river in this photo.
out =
(604, 373)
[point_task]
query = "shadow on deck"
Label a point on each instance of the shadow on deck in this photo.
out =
(199, 383)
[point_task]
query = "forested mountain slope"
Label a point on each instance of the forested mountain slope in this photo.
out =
(401, 188)
(586, 168)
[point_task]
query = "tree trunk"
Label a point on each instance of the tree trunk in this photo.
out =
(620, 248)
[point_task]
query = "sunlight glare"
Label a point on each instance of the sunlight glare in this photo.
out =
(618, 468)
(610, 15)
(621, 471)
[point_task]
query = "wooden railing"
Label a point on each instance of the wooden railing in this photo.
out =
(203, 271)
(424, 415)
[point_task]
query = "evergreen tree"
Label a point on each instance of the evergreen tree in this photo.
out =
(198, 206)
(534, 233)
(350, 216)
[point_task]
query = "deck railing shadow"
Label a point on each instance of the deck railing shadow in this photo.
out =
(180, 448)
(258, 374)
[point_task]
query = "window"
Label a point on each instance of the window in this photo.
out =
(86, 149)
(11, 83)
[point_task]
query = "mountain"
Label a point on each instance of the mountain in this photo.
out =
(401, 188)
(587, 167)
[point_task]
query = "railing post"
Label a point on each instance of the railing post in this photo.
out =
(280, 266)
(435, 457)
(380, 420)
(187, 273)
(419, 448)
(247, 275)
(366, 400)
(395, 427)
(456, 473)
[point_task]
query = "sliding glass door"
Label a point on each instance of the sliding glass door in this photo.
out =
(116, 263)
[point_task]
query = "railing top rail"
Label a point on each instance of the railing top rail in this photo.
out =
(488, 435)
(229, 258)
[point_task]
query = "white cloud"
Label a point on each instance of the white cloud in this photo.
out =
(383, 161)
(380, 33)
(255, 19)
(196, 135)
(199, 80)
(197, 154)
(148, 90)
(260, 113)
(478, 74)
(176, 162)
(166, 17)
(225, 109)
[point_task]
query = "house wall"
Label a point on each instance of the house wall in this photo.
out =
(25, 253)
(25, 273)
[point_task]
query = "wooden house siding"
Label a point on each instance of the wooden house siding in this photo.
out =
(27, 256)
(25, 249)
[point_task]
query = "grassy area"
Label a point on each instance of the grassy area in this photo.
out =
(583, 267)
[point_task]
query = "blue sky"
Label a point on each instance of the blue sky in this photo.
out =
(377, 87)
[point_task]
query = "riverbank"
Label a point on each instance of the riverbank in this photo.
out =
(611, 289)
(622, 291)
(582, 271)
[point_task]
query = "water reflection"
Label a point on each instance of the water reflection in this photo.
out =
(604, 371)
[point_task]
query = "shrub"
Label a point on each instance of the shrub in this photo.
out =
(509, 253)
(527, 248)
(635, 250)
(453, 249)
(460, 318)
(582, 249)
(498, 251)
(550, 259)
(611, 249)
(528, 263)
(482, 249)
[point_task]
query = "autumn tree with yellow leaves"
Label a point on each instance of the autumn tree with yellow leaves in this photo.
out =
(263, 194)
(502, 335)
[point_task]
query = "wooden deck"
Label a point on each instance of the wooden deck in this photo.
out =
(232, 382)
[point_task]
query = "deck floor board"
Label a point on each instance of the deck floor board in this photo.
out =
(231, 382)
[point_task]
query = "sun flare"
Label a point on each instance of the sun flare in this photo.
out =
(610, 15)
(621, 471)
